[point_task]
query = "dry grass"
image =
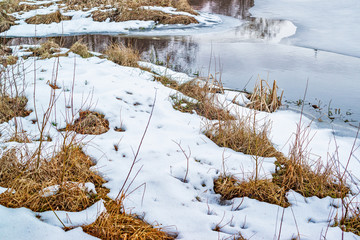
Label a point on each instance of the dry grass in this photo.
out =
(158, 17)
(6, 21)
(204, 93)
(12, 107)
(122, 55)
(123, 6)
(90, 123)
(80, 49)
(242, 135)
(68, 169)
(264, 97)
(298, 174)
(12, 6)
(47, 18)
(350, 224)
(115, 224)
(47, 49)
(263, 190)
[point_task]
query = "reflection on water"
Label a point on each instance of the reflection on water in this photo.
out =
(232, 8)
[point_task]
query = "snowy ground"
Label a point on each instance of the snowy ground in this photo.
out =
(125, 96)
(82, 23)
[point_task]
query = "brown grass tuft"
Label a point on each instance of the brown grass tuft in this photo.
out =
(115, 224)
(80, 49)
(122, 55)
(264, 98)
(48, 18)
(12, 107)
(47, 49)
(6, 21)
(90, 123)
(297, 174)
(263, 190)
(350, 224)
(242, 135)
(69, 169)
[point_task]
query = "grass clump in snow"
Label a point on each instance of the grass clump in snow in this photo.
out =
(350, 222)
(263, 190)
(180, 5)
(47, 49)
(115, 224)
(242, 135)
(80, 49)
(309, 179)
(203, 95)
(142, 14)
(48, 18)
(11, 6)
(264, 97)
(90, 122)
(6, 21)
(122, 55)
(57, 183)
(11, 107)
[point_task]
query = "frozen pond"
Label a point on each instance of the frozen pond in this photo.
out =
(266, 47)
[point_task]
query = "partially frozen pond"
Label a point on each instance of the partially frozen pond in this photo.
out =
(273, 48)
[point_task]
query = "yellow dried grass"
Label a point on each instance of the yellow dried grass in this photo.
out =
(12, 107)
(115, 224)
(122, 55)
(48, 18)
(68, 169)
(264, 97)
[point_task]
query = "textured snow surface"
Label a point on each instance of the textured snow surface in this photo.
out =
(125, 96)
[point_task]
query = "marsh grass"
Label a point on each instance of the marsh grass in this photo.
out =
(242, 135)
(116, 224)
(89, 122)
(295, 172)
(158, 17)
(47, 49)
(11, 107)
(6, 21)
(81, 49)
(123, 55)
(48, 18)
(180, 5)
(263, 190)
(69, 170)
(264, 97)
(11, 6)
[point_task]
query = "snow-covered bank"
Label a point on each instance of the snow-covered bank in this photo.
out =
(322, 24)
(125, 96)
(82, 23)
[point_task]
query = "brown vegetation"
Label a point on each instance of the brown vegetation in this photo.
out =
(6, 21)
(122, 55)
(12, 107)
(158, 17)
(48, 18)
(264, 97)
(90, 123)
(80, 49)
(47, 49)
(115, 224)
(263, 190)
(26, 183)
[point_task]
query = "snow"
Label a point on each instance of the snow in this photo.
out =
(158, 192)
(328, 25)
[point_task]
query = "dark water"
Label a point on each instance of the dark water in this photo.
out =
(245, 52)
